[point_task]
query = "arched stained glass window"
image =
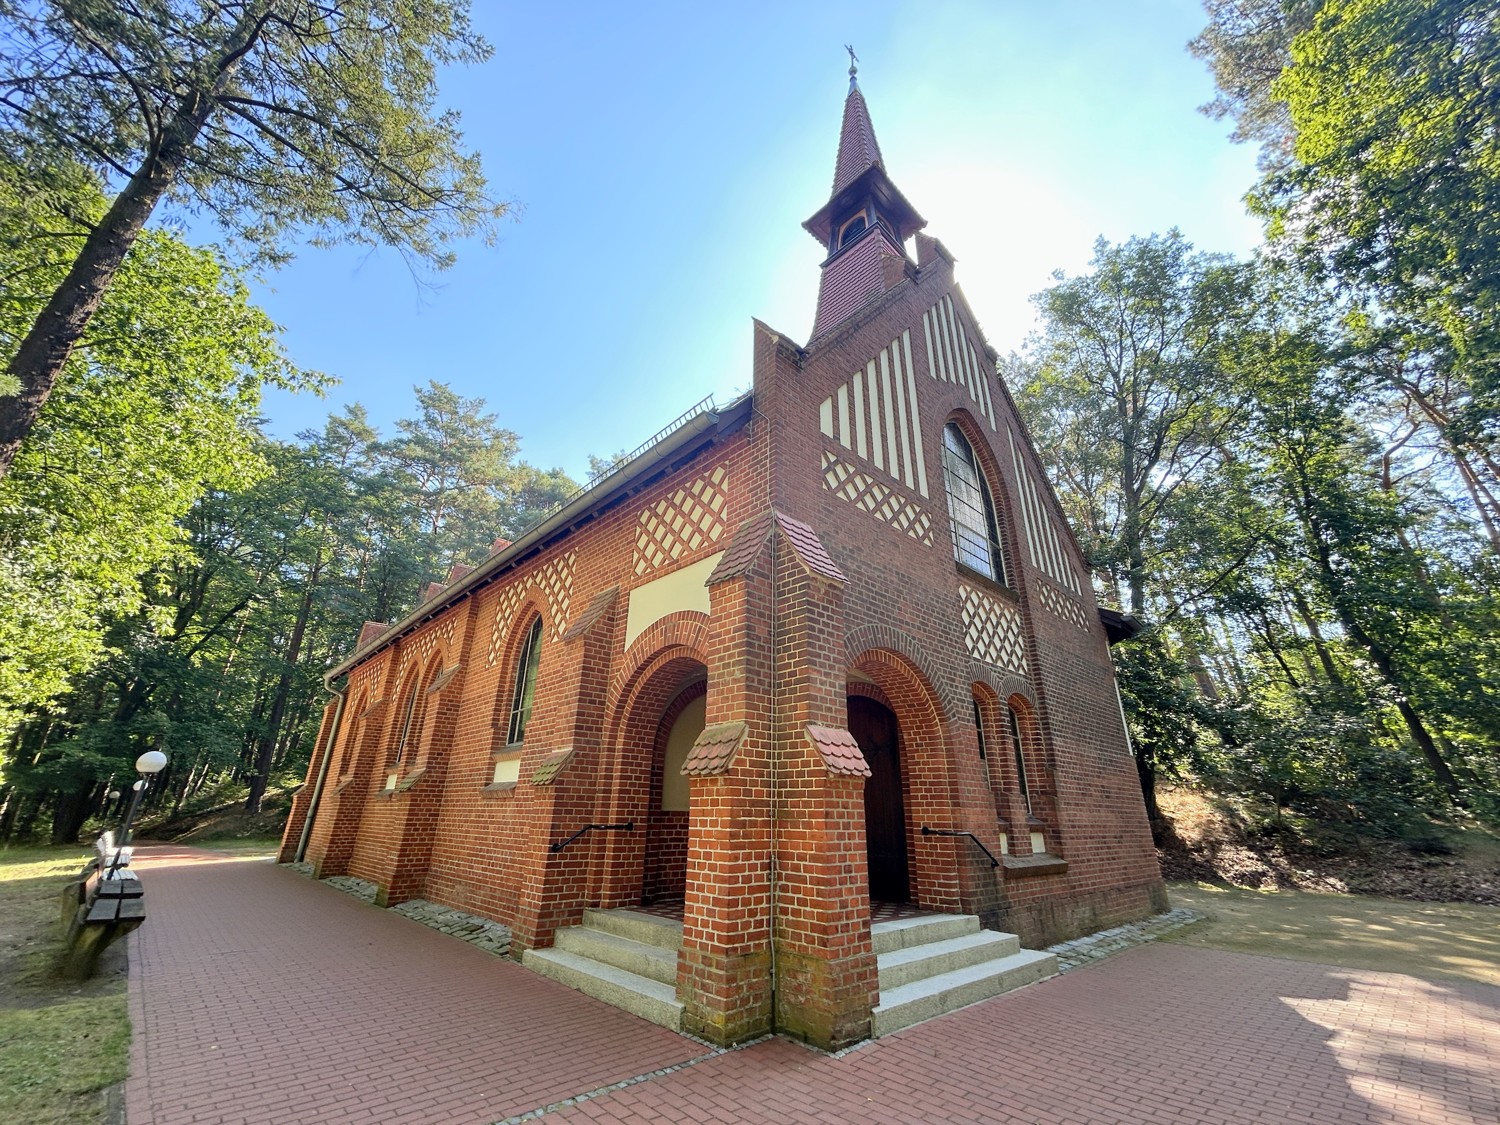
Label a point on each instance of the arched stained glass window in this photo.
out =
(525, 684)
(976, 534)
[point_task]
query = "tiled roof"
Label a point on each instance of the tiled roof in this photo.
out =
(369, 631)
(858, 149)
(743, 549)
(551, 766)
(598, 606)
(841, 754)
(443, 679)
(457, 571)
(713, 750)
(433, 590)
(804, 540)
(751, 537)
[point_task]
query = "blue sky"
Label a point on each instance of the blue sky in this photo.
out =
(664, 155)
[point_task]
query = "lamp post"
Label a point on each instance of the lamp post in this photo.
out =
(149, 764)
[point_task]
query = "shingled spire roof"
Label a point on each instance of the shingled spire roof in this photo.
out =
(858, 149)
(865, 223)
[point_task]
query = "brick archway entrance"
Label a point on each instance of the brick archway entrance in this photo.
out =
(664, 875)
(875, 728)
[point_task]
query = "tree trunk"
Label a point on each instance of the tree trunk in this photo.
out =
(1145, 769)
(43, 351)
(266, 750)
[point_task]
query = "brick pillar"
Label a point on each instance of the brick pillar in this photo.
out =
(724, 969)
(336, 830)
(291, 835)
(826, 981)
(563, 784)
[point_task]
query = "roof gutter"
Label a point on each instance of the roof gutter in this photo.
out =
(629, 476)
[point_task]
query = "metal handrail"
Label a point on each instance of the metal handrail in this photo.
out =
(628, 826)
(977, 841)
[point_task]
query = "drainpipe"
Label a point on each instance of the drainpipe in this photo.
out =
(328, 748)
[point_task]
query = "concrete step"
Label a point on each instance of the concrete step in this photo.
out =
(645, 928)
(902, 966)
(904, 933)
(656, 962)
(650, 999)
(934, 996)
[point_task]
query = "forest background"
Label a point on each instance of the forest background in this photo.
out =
(1285, 467)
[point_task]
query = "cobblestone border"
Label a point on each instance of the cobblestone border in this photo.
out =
(361, 889)
(1095, 947)
(304, 868)
(488, 935)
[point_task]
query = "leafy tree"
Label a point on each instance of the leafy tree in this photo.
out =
(1376, 120)
(1129, 406)
(270, 114)
(157, 406)
(1247, 44)
(1125, 394)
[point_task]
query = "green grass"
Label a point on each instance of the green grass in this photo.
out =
(62, 1043)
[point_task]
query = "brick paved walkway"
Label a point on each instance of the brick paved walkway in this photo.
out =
(259, 996)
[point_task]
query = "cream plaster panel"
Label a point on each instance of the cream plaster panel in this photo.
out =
(1038, 843)
(682, 589)
(689, 725)
(507, 769)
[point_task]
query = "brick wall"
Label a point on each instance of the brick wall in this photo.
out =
(783, 643)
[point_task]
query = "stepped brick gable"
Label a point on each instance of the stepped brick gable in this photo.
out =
(823, 654)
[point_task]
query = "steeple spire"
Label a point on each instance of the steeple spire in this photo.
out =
(866, 220)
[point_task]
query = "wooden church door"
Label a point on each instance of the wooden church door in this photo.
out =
(874, 728)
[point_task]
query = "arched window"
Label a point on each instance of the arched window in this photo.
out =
(408, 716)
(852, 229)
(976, 533)
(1018, 746)
(524, 688)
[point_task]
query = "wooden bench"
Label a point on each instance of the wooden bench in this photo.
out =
(101, 904)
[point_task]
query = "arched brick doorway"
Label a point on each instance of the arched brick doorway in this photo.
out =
(875, 728)
(664, 878)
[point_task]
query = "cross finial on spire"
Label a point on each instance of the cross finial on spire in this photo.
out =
(853, 69)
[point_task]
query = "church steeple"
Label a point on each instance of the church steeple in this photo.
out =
(865, 221)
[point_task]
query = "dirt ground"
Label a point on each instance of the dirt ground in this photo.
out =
(1214, 841)
(1441, 940)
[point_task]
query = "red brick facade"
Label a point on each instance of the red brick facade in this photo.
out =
(808, 530)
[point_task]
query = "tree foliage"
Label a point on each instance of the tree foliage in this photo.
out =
(157, 405)
(272, 115)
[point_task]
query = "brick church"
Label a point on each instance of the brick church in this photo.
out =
(802, 719)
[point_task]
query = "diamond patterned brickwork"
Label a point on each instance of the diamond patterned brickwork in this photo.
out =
(992, 629)
(868, 494)
(555, 580)
(692, 517)
(1054, 601)
(428, 640)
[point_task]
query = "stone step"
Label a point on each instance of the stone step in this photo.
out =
(657, 962)
(902, 966)
(934, 996)
(645, 928)
(904, 933)
(641, 996)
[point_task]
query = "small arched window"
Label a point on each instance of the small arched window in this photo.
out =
(976, 533)
(525, 684)
(409, 716)
(852, 229)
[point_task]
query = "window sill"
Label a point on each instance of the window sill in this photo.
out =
(499, 789)
(1031, 866)
(343, 783)
(987, 582)
(410, 779)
